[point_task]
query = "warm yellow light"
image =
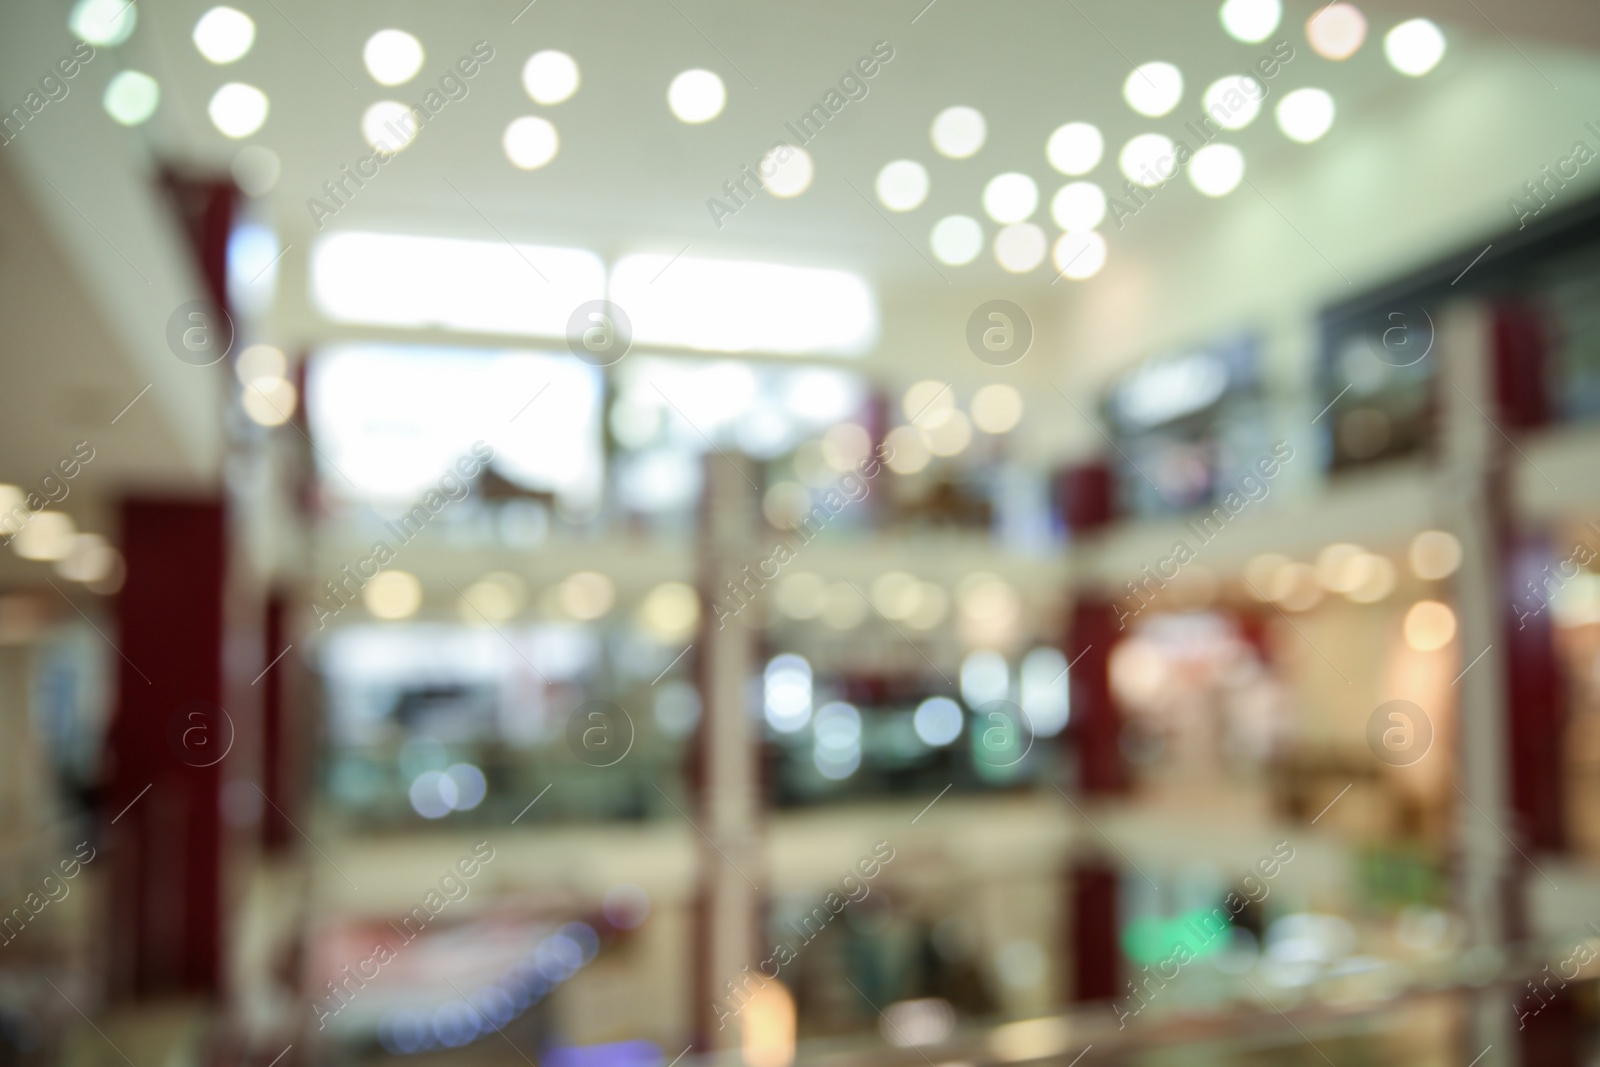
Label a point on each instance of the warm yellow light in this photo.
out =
(261, 361)
(1337, 31)
(909, 454)
(47, 536)
(1435, 554)
(844, 609)
(1258, 574)
(89, 558)
(392, 595)
(670, 611)
(845, 445)
(767, 1027)
(587, 595)
(997, 408)
(269, 401)
(928, 404)
(1372, 578)
(785, 504)
(951, 437)
(1294, 587)
(1334, 568)
(494, 598)
(1429, 625)
(933, 604)
(896, 594)
(802, 595)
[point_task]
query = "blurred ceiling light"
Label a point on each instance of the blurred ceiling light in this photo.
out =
(237, 109)
(1031, 1039)
(388, 125)
(949, 438)
(1435, 554)
(104, 23)
(261, 361)
(938, 721)
(131, 97)
(256, 169)
(726, 305)
(984, 677)
(1075, 148)
(1334, 567)
(392, 57)
(1079, 254)
(1294, 587)
(956, 240)
(997, 408)
(1216, 170)
(908, 453)
(1234, 102)
(223, 34)
(493, 598)
(811, 467)
(1010, 197)
(1414, 47)
(550, 76)
(1251, 21)
(1153, 89)
(987, 598)
(47, 536)
(896, 595)
(933, 604)
(791, 171)
(844, 609)
(670, 611)
(844, 446)
(1374, 578)
(1020, 248)
(1305, 115)
(801, 595)
(587, 595)
(478, 286)
(269, 401)
(89, 558)
(1258, 573)
(1575, 604)
(696, 96)
(929, 403)
(787, 690)
(767, 1026)
(786, 503)
(1045, 691)
(1078, 206)
(1336, 31)
(1148, 159)
(902, 185)
(959, 132)
(530, 142)
(392, 595)
(1429, 625)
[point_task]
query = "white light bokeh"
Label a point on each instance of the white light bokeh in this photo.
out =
(237, 109)
(530, 142)
(1217, 169)
(696, 96)
(1046, 699)
(1078, 206)
(1305, 114)
(1414, 47)
(1010, 197)
(388, 125)
(1234, 102)
(938, 721)
(902, 185)
(1148, 159)
(1075, 148)
(392, 57)
(550, 77)
(1251, 21)
(959, 132)
(105, 23)
(1153, 89)
(788, 170)
(956, 240)
(786, 688)
(984, 678)
(131, 97)
(1079, 254)
(1336, 31)
(1021, 247)
(224, 34)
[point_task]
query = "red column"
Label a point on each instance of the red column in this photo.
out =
(1096, 956)
(280, 729)
(165, 746)
(1096, 721)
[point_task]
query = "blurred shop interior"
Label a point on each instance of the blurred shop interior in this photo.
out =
(708, 533)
